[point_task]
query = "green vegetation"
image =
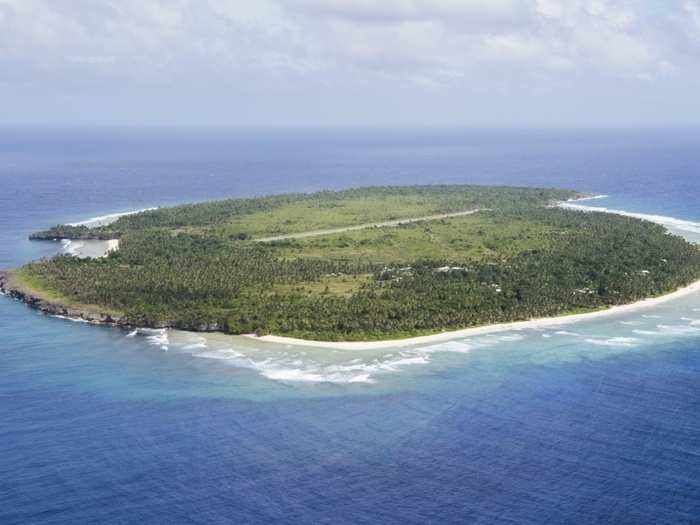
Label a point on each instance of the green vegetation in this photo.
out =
(483, 235)
(34, 285)
(303, 212)
(200, 267)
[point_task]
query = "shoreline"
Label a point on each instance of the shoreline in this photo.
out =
(99, 317)
(90, 249)
(104, 220)
(483, 330)
(670, 223)
(96, 315)
(35, 300)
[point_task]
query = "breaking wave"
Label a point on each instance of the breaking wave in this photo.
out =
(103, 220)
(71, 247)
(72, 319)
(154, 336)
(669, 222)
(664, 329)
(290, 364)
(615, 341)
(295, 365)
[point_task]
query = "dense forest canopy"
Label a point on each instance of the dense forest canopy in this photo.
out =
(200, 267)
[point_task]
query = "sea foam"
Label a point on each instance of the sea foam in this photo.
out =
(663, 329)
(668, 222)
(104, 220)
(615, 341)
(155, 336)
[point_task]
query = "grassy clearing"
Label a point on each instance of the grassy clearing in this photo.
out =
(336, 285)
(309, 216)
(483, 236)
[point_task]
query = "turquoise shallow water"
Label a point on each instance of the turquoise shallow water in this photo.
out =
(593, 422)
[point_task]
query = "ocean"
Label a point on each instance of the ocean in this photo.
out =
(592, 422)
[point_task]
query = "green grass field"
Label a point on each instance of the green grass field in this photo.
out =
(484, 235)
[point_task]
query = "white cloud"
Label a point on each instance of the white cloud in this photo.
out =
(360, 46)
(691, 18)
(158, 37)
(544, 36)
(490, 12)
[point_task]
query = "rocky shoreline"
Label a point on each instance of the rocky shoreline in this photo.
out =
(8, 288)
(49, 308)
(51, 236)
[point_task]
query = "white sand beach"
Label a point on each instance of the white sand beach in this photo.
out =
(90, 248)
(481, 330)
(93, 248)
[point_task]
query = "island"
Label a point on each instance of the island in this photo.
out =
(361, 264)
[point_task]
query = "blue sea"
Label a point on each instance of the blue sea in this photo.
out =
(592, 422)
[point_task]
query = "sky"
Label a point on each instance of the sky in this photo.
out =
(350, 62)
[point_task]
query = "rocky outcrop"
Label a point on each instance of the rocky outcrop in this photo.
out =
(88, 236)
(49, 308)
(82, 233)
(7, 287)
(208, 327)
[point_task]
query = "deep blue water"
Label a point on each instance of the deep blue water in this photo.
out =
(96, 427)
